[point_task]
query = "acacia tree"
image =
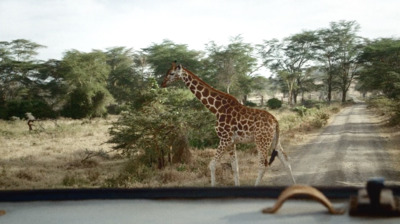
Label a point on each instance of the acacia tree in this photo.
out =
(290, 58)
(86, 76)
(22, 87)
(18, 68)
(124, 81)
(381, 67)
(230, 67)
(160, 56)
(339, 47)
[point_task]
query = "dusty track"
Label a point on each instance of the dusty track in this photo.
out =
(347, 152)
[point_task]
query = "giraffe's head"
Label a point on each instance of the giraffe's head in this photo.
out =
(173, 74)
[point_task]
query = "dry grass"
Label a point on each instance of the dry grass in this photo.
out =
(55, 155)
(51, 155)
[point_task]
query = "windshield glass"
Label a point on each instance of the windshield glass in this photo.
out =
(114, 94)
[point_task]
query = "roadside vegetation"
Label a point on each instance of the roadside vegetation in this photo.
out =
(388, 108)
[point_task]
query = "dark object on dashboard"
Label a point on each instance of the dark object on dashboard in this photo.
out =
(375, 200)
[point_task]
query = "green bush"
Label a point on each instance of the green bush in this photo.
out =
(154, 128)
(18, 108)
(250, 104)
(320, 119)
(82, 104)
(274, 103)
(387, 107)
(301, 110)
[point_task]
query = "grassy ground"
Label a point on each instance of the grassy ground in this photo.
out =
(53, 154)
(72, 153)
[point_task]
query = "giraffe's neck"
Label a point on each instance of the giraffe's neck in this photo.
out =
(213, 99)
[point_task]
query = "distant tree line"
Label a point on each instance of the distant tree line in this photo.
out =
(92, 84)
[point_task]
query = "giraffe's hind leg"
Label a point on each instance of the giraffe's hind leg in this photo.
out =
(285, 160)
(262, 163)
(261, 172)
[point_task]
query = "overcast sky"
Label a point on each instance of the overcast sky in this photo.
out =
(98, 24)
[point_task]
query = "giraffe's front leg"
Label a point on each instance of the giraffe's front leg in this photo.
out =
(212, 167)
(235, 165)
(221, 148)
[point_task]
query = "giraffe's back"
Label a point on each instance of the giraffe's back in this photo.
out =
(250, 124)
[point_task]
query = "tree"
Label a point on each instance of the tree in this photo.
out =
(160, 56)
(18, 68)
(261, 86)
(381, 67)
(22, 87)
(55, 90)
(124, 81)
(231, 66)
(289, 59)
(86, 76)
(157, 129)
(339, 48)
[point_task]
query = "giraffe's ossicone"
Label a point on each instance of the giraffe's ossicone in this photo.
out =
(236, 123)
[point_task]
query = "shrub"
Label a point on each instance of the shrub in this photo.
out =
(320, 119)
(274, 103)
(18, 108)
(301, 110)
(387, 107)
(250, 104)
(82, 104)
(158, 129)
(311, 103)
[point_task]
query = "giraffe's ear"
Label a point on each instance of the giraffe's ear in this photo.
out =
(179, 67)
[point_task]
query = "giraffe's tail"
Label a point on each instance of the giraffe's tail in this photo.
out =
(274, 145)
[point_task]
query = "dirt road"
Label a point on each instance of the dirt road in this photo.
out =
(347, 152)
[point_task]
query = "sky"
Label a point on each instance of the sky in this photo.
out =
(84, 25)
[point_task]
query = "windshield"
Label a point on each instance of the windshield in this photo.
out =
(113, 94)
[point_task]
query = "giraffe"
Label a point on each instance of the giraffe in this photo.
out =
(236, 123)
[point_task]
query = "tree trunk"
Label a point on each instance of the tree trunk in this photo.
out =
(344, 93)
(180, 148)
(295, 93)
(244, 98)
(262, 100)
(329, 89)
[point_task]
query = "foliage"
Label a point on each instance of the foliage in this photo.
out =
(18, 69)
(338, 50)
(386, 107)
(290, 58)
(250, 104)
(160, 57)
(381, 67)
(301, 110)
(154, 128)
(128, 71)
(18, 108)
(229, 67)
(274, 103)
(86, 75)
